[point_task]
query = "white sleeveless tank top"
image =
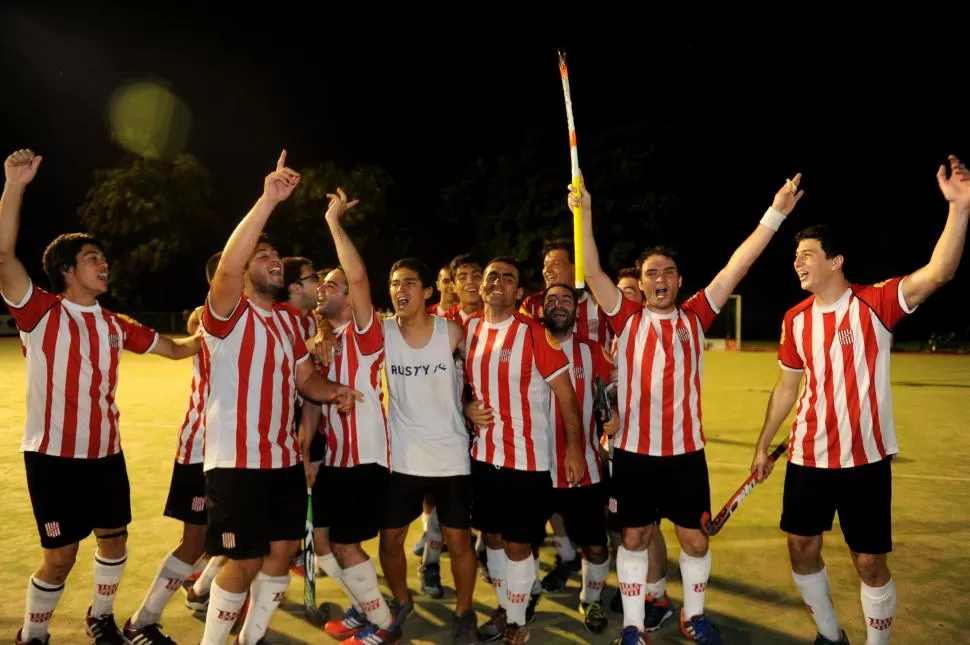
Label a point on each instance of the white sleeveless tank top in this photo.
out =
(425, 417)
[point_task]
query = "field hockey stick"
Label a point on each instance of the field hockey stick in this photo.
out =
(713, 527)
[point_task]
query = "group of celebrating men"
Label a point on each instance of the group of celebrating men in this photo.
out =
(494, 420)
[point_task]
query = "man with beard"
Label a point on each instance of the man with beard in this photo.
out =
(514, 365)
(558, 268)
(660, 444)
(429, 442)
(255, 484)
(580, 505)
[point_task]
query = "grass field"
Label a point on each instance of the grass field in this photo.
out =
(751, 595)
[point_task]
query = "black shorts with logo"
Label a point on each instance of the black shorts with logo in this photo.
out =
(583, 511)
(72, 497)
(186, 494)
(509, 502)
(250, 507)
(406, 493)
(644, 489)
(350, 501)
(862, 496)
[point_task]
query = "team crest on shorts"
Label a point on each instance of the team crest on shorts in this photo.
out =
(612, 505)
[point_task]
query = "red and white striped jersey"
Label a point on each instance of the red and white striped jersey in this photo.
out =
(591, 322)
(458, 314)
(305, 322)
(72, 353)
(844, 415)
(659, 360)
(253, 355)
(360, 436)
(508, 365)
(587, 360)
(436, 310)
(192, 434)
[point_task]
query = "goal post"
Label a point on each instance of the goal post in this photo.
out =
(725, 332)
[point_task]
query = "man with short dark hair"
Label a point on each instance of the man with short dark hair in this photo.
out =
(76, 473)
(445, 285)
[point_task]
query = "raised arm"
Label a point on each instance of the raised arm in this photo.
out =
(724, 283)
(946, 256)
(19, 169)
(227, 283)
(602, 288)
(779, 405)
(349, 258)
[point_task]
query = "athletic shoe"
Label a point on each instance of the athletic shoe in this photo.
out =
(419, 547)
(595, 618)
(37, 641)
(631, 636)
(147, 635)
(821, 640)
(341, 628)
(700, 629)
(374, 635)
(198, 603)
(463, 628)
(494, 628)
(431, 580)
(556, 579)
(657, 612)
(515, 635)
(103, 629)
(401, 610)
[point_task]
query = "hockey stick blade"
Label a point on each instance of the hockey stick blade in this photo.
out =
(713, 527)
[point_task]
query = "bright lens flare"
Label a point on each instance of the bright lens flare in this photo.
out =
(147, 119)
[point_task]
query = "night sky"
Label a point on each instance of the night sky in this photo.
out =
(866, 122)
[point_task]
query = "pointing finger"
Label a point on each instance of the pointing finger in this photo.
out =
(281, 163)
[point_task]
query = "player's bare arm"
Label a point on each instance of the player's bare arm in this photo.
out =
(456, 334)
(946, 256)
(562, 386)
(177, 349)
(227, 283)
(19, 169)
(724, 283)
(314, 386)
(194, 321)
(779, 405)
(600, 285)
(349, 258)
(310, 414)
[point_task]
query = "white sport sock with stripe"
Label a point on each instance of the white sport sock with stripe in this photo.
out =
(594, 579)
(520, 576)
(361, 579)
(212, 568)
(879, 606)
(107, 577)
(814, 589)
(329, 564)
(169, 578)
(265, 594)
(497, 567)
(433, 539)
(42, 597)
(695, 573)
(631, 574)
(224, 608)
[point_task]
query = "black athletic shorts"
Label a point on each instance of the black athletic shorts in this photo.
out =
(72, 497)
(406, 493)
(583, 511)
(350, 501)
(509, 502)
(644, 489)
(250, 507)
(862, 496)
(318, 447)
(186, 494)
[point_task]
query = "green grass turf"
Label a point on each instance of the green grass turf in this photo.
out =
(751, 595)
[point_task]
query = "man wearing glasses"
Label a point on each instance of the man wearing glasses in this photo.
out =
(299, 293)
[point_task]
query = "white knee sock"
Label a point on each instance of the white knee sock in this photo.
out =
(565, 549)
(265, 594)
(361, 579)
(655, 590)
(169, 578)
(878, 607)
(814, 589)
(203, 583)
(224, 609)
(594, 579)
(520, 576)
(497, 569)
(107, 577)
(695, 572)
(433, 539)
(631, 573)
(329, 564)
(42, 597)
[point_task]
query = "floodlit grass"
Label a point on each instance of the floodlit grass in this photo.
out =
(751, 595)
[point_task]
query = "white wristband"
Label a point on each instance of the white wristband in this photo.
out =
(772, 219)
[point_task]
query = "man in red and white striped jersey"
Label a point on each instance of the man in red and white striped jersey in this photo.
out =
(558, 268)
(299, 295)
(356, 461)
(466, 271)
(580, 506)
(76, 474)
(514, 366)
(660, 444)
(255, 484)
(186, 501)
(844, 437)
(445, 285)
